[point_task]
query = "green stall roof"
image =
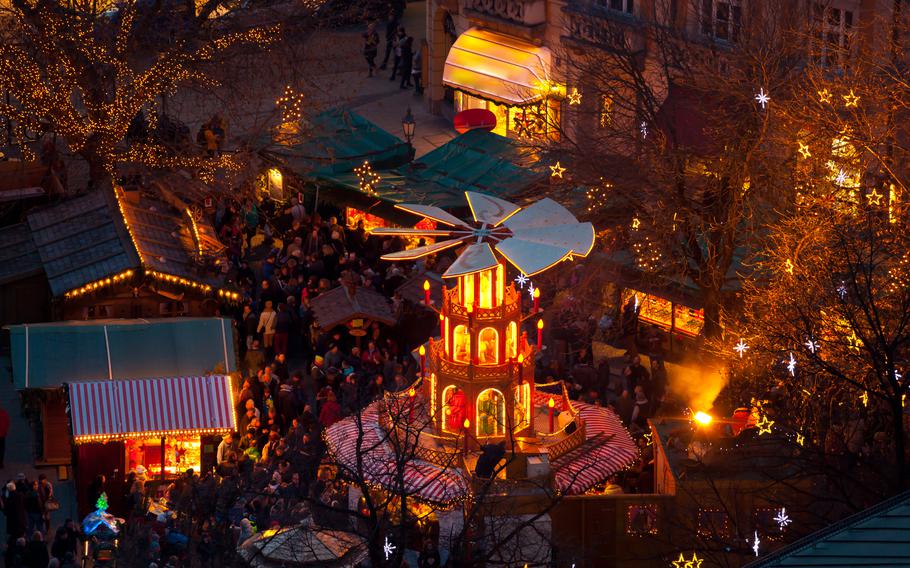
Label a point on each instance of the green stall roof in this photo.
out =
(44, 356)
(474, 161)
(334, 142)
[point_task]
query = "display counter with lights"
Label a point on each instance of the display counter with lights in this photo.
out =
(665, 314)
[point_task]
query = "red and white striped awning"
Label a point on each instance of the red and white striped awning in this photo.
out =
(118, 409)
(422, 480)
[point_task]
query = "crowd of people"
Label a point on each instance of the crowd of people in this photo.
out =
(27, 505)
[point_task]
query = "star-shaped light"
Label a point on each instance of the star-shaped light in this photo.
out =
(800, 439)
(695, 562)
(804, 150)
(521, 280)
(841, 178)
(649, 437)
(557, 170)
(824, 96)
(635, 223)
(388, 548)
(850, 99)
(531, 289)
(574, 97)
(741, 348)
(764, 425)
(762, 98)
(643, 128)
(842, 290)
(791, 365)
(788, 266)
(782, 519)
(875, 198)
(755, 543)
(865, 398)
(897, 375)
(811, 345)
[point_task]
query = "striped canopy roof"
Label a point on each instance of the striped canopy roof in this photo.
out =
(119, 409)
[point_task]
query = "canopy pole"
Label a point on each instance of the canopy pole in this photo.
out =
(163, 440)
(227, 366)
(26, 355)
(107, 345)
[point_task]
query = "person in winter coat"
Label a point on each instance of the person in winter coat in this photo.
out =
(267, 320)
(36, 555)
(14, 510)
(370, 47)
(330, 412)
(283, 323)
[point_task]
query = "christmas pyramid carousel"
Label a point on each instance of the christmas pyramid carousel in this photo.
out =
(476, 388)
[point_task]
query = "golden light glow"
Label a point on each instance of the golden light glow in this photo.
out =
(490, 407)
(432, 395)
(574, 97)
(275, 181)
(824, 96)
(703, 418)
(155, 434)
(426, 285)
(804, 150)
(467, 423)
(557, 171)
(551, 403)
(488, 346)
(521, 359)
(536, 293)
(422, 351)
(97, 284)
(764, 425)
(412, 392)
(850, 99)
(540, 323)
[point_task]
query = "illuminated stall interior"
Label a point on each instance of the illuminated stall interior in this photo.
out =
(508, 77)
(667, 315)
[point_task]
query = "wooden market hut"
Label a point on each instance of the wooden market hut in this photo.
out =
(353, 307)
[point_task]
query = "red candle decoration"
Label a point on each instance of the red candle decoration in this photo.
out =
(552, 404)
(426, 292)
(423, 361)
(536, 300)
(521, 360)
(411, 394)
(539, 334)
(467, 426)
(442, 328)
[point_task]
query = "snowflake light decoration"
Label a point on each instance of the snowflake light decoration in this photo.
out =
(755, 543)
(643, 128)
(841, 178)
(791, 365)
(842, 290)
(521, 280)
(762, 98)
(811, 345)
(388, 548)
(531, 289)
(741, 348)
(782, 519)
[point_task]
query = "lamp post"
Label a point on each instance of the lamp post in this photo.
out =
(407, 125)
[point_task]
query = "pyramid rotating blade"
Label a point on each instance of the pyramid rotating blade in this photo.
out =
(530, 257)
(406, 232)
(432, 212)
(475, 258)
(577, 237)
(544, 213)
(489, 209)
(415, 253)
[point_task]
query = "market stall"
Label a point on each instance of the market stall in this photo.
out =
(159, 425)
(666, 314)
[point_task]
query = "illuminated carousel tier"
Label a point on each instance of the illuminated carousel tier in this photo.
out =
(438, 484)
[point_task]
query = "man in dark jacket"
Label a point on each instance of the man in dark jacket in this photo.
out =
(391, 29)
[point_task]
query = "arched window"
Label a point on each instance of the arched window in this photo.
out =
(491, 413)
(522, 414)
(512, 340)
(486, 289)
(488, 346)
(462, 340)
(453, 409)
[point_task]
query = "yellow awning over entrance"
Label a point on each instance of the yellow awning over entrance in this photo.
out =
(498, 67)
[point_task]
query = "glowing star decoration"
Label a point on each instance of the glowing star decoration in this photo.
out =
(635, 223)
(800, 439)
(574, 97)
(521, 280)
(755, 543)
(824, 96)
(367, 179)
(875, 198)
(788, 266)
(388, 548)
(811, 345)
(643, 128)
(764, 425)
(865, 398)
(791, 365)
(762, 98)
(782, 519)
(841, 178)
(695, 562)
(741, 348)
(557, 171)
(850, 99)
(804, 150)
(649, 438)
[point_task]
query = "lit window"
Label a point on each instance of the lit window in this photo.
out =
(462, 339)
(491, 412)
(522, 413)
(832, 26)
(486, 289)
(512, 340)
(488, 346)
(453, 409)
(721, 19)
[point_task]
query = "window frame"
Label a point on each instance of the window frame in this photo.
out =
(732, 25)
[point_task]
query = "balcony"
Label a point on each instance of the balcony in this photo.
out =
(591, 22)
(510, 305)
(527, 13)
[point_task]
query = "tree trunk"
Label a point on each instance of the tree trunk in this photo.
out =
(711, 303)
(900, 443)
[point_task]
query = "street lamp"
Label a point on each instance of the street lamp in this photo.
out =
(407, 124)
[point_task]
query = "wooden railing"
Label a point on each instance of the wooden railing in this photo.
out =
(569, 443)
(482, 372)
(511, 304)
